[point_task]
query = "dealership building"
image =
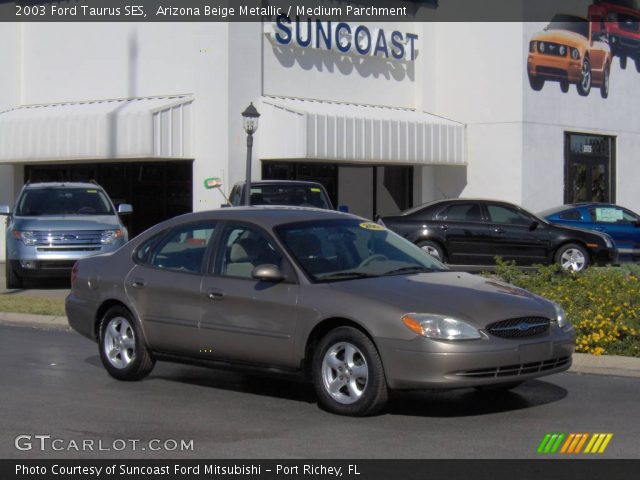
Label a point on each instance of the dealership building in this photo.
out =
(385, 115)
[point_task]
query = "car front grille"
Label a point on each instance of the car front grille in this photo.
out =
(551, 48)
(519, 327)
(516, 370)
(68, 238)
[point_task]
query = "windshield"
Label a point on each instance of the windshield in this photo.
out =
(331, 250)
(296, 195)
(579, 27)
(63, 201)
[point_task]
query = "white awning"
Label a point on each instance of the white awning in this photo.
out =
(152, 127)
(341, 132)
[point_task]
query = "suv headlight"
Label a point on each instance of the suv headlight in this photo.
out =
(26, 237)
(109, 236)
(561, 317)
(439, 326)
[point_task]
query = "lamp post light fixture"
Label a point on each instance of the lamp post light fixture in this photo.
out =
(250, 123)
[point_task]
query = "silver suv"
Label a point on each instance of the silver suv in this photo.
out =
(55, 224)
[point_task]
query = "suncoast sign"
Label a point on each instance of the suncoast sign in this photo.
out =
(343, 38)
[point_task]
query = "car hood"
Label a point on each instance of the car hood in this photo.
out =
(562, 37)
(585, 232)
(67, 222)
(472, 298)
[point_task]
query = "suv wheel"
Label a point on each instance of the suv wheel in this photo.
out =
(623, 62)
(347, 373)
(584, 84)
(122, 350)
(572, 257)
(14, 281)
(637, 62)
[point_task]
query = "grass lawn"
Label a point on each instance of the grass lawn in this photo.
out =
(35, 305)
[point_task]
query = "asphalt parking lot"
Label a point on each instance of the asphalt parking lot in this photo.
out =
(54, 384)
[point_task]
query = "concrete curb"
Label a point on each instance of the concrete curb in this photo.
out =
(582, 362)
(31, 320)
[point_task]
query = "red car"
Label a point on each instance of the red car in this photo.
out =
(620, 20)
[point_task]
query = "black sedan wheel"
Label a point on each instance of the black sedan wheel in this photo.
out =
(432, 248)
(122, 350)
(572, 257)
(347, 373)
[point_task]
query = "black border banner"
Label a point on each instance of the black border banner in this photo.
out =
(543, 469)
(260, 10)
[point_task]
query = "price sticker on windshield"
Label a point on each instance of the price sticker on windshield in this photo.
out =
(371, 226)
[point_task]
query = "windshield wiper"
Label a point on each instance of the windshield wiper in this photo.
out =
(411, 269)
(337, 275)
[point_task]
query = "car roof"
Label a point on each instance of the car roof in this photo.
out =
(265, 216)
(62, 185)
(444, 201)
(281, 182)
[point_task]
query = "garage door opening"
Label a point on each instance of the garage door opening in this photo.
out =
(157, 190)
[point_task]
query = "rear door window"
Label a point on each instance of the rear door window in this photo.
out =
(461, 212)
(183, 249)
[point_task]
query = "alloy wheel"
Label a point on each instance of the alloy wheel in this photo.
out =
(573, 260)
(119, 342)
(345, 373)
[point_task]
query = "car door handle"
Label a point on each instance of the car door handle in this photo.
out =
(498, 230)
(138, 283)
(215, 295)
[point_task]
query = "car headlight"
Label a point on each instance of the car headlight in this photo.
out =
(541, 46)
(562, 50)
(532, 47)
(439, 326)
(109, 236)
(26, 237)
(561, 317)
(575, 54)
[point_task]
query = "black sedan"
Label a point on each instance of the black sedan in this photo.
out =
(474, 232)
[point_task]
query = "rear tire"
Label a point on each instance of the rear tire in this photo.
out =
(122, 349)
(572, 257)
(564, 86)
(14, 281)
(623, 62)
(347, 373)
(637, 62)
(586, 79)
(604, 88)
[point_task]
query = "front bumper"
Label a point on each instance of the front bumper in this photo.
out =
(604, 256)
(408, 365)
(622, 44)
(554, 68)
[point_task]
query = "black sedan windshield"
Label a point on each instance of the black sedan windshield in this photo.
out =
(332, 250)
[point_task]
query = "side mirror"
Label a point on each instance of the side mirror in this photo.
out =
(267, 273)
(343, 208)
(5, 210)
(534, 225)
(125, 209)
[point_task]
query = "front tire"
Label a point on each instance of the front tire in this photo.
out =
(432, 248)
(122, 349)
(584, 84)
(14, 281)
(572, 257)
(536, 82)
(347, 373)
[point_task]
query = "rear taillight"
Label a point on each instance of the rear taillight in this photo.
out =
(74, 272)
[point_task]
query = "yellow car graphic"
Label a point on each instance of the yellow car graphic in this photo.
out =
(568, 51)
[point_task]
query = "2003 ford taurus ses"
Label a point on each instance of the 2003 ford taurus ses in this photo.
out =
(346, 303)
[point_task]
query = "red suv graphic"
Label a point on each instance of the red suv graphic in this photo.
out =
(620, 20)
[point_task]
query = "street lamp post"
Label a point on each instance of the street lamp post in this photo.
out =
(250, 122)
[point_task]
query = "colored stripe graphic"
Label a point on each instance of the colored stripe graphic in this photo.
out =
(573, 443)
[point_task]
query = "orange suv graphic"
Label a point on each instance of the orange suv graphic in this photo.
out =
(568, 51)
